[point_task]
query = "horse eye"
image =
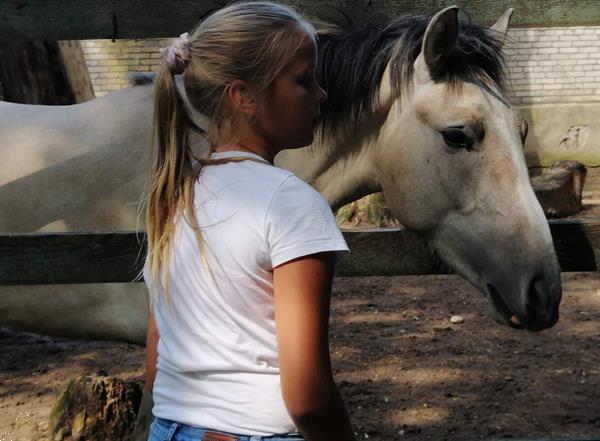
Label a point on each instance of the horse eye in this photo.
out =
(456, 138)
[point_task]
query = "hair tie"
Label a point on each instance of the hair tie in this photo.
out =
(177, 55)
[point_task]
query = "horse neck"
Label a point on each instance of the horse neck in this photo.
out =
(341, 168)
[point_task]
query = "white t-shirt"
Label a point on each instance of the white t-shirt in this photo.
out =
(217, 365)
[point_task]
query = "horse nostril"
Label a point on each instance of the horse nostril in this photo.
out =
(537, 298)
(542, 304)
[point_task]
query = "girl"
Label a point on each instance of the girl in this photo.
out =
(240, 252)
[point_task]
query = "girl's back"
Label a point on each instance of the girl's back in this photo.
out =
(218, 328)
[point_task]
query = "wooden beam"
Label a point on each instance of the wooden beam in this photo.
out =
(91, 19)
(39, 259)
(388, 252)
(577, 244)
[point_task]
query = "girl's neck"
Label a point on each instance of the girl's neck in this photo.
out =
(245, 138)
(239, 147)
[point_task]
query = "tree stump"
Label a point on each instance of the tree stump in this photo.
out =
(370, 211)
(559, 188)
(94, 408)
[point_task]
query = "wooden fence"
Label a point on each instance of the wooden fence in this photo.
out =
(92, 19)
(118, 256)
(112, 257)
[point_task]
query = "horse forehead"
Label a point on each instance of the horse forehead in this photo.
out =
(442, 101)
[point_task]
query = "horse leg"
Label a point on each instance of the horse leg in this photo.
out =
(113, 312)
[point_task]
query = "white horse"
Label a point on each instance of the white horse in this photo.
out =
(416, 109)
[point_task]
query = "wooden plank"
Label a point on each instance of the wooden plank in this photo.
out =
(577, 244)
(388, 252)
(38, 259)
(85, 19)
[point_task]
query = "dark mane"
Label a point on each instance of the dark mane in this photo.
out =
(141, 78)
(353, 57)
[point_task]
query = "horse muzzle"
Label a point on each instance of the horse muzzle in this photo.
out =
(534, 310)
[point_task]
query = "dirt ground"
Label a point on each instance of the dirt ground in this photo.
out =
(405, 371)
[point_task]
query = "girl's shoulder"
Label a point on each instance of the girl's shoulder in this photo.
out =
(294, 194)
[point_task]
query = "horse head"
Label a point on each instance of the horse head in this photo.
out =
(451, 165)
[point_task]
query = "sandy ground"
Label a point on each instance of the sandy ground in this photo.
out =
(405, 371)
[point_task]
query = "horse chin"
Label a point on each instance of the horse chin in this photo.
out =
(502, 314)
(500, 310)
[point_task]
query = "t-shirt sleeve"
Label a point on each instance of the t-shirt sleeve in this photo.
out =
(299, 222)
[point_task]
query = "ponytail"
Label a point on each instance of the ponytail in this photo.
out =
(172, 177)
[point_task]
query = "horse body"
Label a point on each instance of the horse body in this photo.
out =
(74, 168)
(442, 144)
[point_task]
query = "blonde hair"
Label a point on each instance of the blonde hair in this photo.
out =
(250, 41)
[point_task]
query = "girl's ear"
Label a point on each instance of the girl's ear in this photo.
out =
(241, 97)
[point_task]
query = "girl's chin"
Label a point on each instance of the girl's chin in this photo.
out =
(301, 142)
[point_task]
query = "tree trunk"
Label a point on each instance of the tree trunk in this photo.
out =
(44, 72)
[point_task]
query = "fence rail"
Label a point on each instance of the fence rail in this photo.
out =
(92, 19)
(114, 257)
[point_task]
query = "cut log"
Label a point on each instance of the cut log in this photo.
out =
(95, 408)
(559, 188)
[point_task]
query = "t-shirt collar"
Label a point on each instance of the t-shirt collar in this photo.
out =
(232, 153)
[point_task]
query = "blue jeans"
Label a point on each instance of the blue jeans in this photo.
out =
(165, 430)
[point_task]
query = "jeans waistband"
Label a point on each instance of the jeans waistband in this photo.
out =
(167, 430)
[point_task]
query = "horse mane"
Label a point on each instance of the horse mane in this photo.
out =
(353, 58)
(141, 78)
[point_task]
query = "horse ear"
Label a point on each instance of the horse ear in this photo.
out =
(385, 97)
(501, 25)
(439, 40)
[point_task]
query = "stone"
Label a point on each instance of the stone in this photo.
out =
(456, 319)
(94, 408)
(559, 188)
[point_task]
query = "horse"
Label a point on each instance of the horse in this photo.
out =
(417, 109)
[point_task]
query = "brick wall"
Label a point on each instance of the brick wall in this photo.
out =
(554, 65)
(109, 63)
(545, 65)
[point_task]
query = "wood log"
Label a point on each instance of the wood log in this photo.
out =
(95, 408)
(559, 188)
